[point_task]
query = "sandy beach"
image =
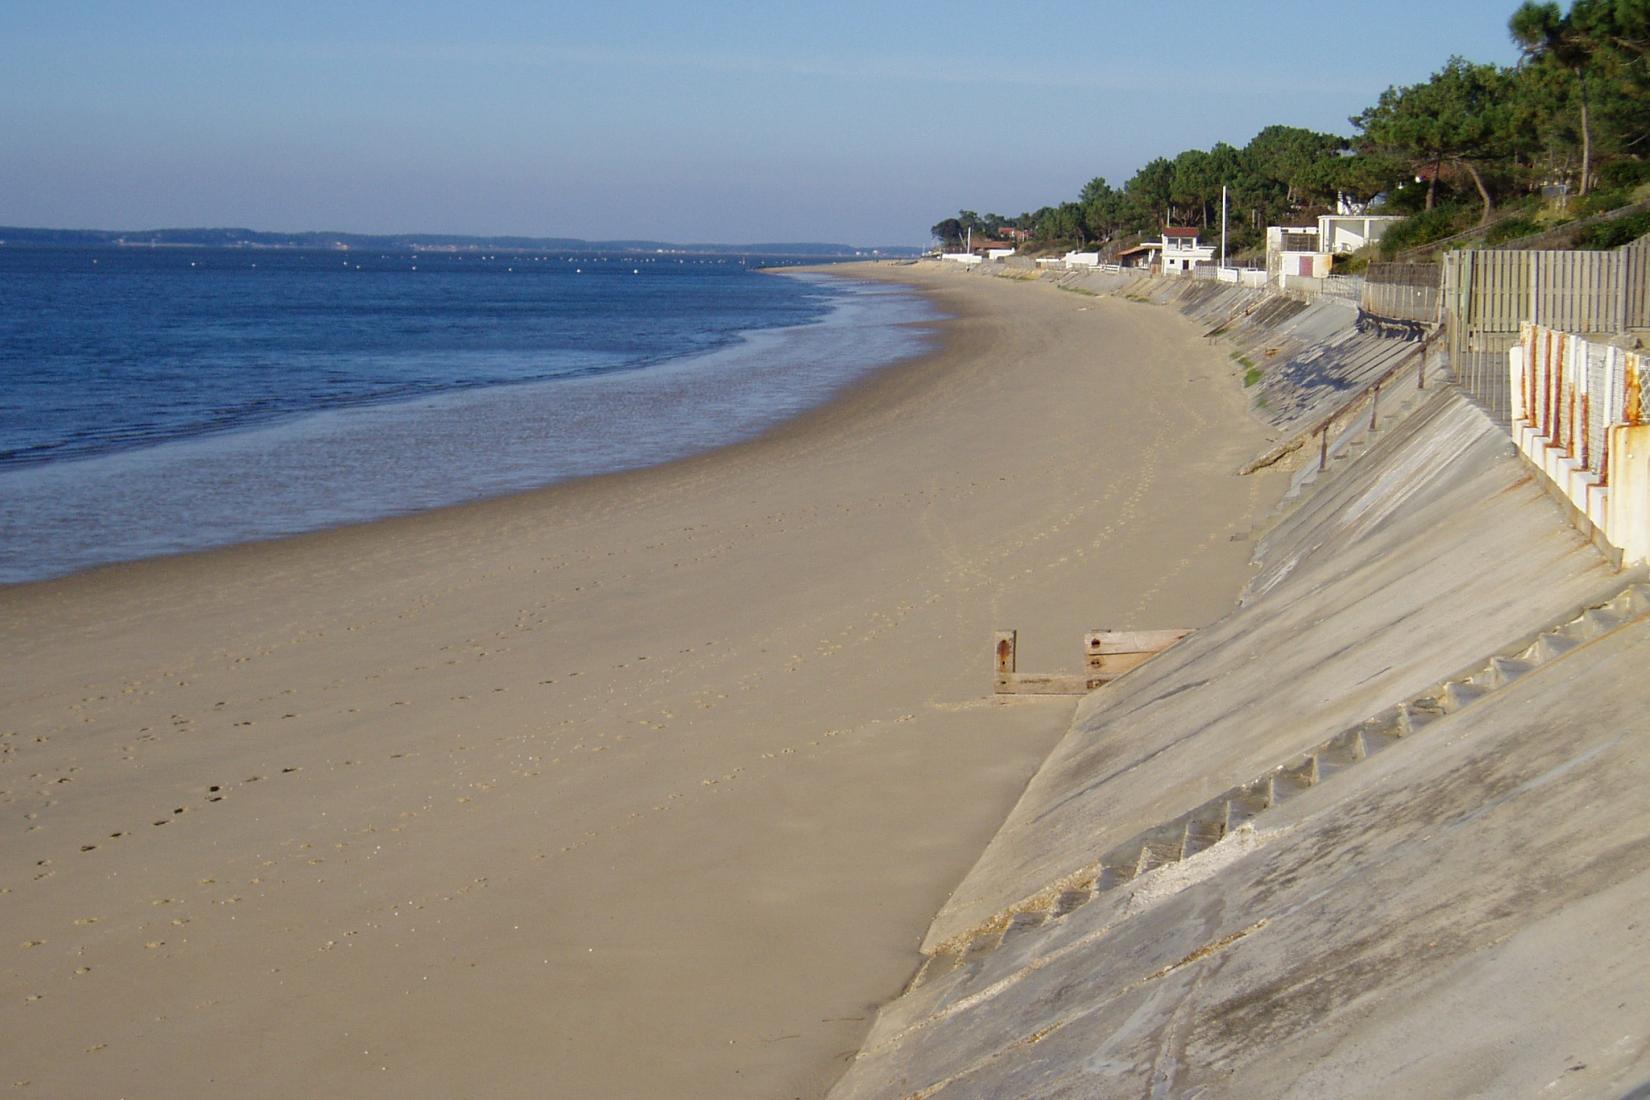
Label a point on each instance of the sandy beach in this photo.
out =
(646, 785)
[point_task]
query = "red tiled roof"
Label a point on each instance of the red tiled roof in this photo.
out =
(1176, 231)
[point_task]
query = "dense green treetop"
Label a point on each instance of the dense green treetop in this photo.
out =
(1472, 135)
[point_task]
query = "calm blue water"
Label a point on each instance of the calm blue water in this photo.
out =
(154, 401)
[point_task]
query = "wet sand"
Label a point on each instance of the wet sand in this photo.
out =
(642, 785)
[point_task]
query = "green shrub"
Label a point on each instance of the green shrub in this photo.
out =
(1509, 230)
(1251, 376)
(1350, 263)
(1615, 232)
(1599, 201)
(1424, 228)
(1624, 174)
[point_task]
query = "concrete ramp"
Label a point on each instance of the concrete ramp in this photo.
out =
(1434, 551)
(1460, 916)
(1380, 831)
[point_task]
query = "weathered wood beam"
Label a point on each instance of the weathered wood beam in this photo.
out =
(1131, 641)
(1107, 654)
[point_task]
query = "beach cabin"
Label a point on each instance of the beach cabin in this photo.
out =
(1310, 250)
(1181, 251)
(1142, 255)
(1293, 250)
(1340, 233)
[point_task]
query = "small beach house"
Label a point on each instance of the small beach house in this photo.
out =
(1293, 250)
(1349, 232)
(1181, 251)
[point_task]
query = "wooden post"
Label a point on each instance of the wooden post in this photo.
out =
(1007, 641)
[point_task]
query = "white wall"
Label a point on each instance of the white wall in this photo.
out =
(1342, 233)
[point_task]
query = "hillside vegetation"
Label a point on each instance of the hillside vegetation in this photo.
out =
(1512, 150)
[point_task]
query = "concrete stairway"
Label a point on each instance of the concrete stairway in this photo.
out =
(1206, 825)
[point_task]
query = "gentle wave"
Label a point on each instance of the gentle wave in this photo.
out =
(367, 461)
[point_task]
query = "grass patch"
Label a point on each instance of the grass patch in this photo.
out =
(1511, 229)
(1602, 201)
(1625, 173)
(1081, 290)
(1424, 228)
(1614, 233)
(1350, 263)
(1251, 375)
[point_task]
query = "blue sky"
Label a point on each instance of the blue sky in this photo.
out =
(739, 122)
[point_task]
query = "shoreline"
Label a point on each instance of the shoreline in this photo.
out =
(354, 463)
(646, 782)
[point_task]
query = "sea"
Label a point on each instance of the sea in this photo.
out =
(161, 400)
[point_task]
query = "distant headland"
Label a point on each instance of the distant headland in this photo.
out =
(408, 242)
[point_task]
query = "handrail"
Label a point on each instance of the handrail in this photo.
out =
(1371, 392)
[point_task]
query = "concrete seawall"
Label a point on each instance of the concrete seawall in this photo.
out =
(1379, 831)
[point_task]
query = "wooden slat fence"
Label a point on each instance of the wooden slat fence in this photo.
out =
(1636, 293)
(1403, 292)
(1487, 295)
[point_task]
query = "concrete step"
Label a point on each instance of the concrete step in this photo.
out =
(1384, 730)
(983, 945)
(1422, 712)
(1203, 834)
(1020, 922)
(1637, 599)
(1069, 900)
(1550, 647)
(1593, 623)
(1112, 876)
(1346, 749)
(1508, 669)
(1159, 853)
(1210, 823)
(1461, 693)
(1287, 782)
(1026, 923)
(936, 966)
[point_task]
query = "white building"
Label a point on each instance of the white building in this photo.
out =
(1350, 232)
(1293, 250)
(1181, 251)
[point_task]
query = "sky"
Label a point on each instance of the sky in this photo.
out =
(702, 121)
